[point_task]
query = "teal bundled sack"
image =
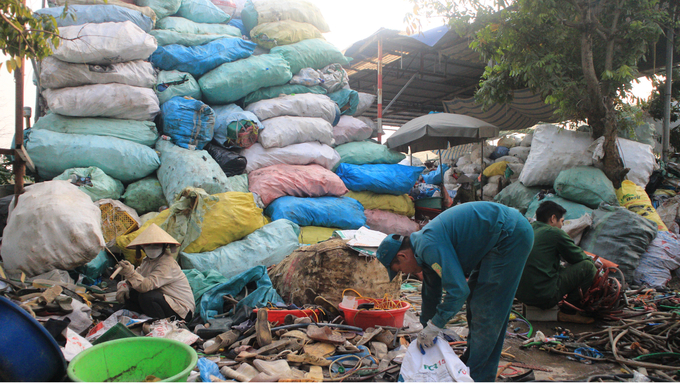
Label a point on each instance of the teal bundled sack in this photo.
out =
(162, 8)
(517, 195)
(182, 25)
(101, 185)
(201, 59)
(574, 210)
(174, 83)
(276, 91)
(265, 246)
(202, 11)
(340, 212)
(145, 195)
(586, 185)
(231, 81)
(382, 179)
(141, 132)
(97, 14)
(167, 37)
(347, 100)
(313, 53)
(190, 123)
(367, 152)
(52, 153)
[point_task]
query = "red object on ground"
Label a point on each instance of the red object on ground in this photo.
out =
(275, 316)
(370, 318)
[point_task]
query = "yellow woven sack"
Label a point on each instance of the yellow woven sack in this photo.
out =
(310, 235)
(497, 169)
(285, 32)
(635, 199)
(399, 204)
(229, 219)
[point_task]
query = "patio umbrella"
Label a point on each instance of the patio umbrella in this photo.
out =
(437, 130)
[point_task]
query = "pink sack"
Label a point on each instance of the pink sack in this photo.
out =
(276, 181)
(390, 223)
(350, 129)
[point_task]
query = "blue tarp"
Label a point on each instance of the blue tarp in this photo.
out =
(435, 177)
(201, 59)
(212, 301)
(340, 212)
(380, 178)
(188, 122)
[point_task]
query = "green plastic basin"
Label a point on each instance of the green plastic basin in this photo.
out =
(132, 360)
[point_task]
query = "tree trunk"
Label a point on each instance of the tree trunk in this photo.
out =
(613, 165)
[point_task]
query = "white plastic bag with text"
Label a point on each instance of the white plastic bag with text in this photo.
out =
(438, 364)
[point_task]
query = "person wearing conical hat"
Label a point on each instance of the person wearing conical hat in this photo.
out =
(158, 287)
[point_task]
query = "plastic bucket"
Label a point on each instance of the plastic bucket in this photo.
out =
(371, 318)
(27, 351)
(278, 316)
(133, 360)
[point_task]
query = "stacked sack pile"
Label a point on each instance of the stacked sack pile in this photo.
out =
(619, 225)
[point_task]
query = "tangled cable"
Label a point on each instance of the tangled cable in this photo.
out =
(386, 303)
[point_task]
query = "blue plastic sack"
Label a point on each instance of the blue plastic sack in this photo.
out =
(436, 177)
(212, 301)
(226, 114)
(209, 368)
(201, 59)
(379, 178)
(202, 11)
(95, 14)
(499, 152)
(347, 100)
(340, 212)
(188, 122)
(238, 23)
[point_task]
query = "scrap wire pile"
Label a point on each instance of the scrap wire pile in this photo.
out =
(652, 342)
(386, 303)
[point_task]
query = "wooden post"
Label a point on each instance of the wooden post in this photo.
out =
(19, 164)
(380, 89)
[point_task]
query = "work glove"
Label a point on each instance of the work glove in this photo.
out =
(428, 337)
(127, 268)
(122, 293)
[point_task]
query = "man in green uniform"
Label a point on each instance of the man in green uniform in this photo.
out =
(544, 281)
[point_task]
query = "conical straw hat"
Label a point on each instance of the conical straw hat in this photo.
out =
(152, 235)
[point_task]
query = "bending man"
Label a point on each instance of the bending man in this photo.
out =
(544, 281)
(487, 240)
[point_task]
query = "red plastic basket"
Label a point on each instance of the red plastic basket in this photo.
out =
(274, 316)
(371, 318)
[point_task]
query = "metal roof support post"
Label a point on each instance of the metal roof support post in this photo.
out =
(667, 99)
(19, 164)
(403, 88)
(380, 89)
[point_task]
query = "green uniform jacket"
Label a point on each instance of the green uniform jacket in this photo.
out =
(539, 279)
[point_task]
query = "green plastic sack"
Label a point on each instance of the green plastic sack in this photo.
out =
(265, 246)
(202, 11)
(347, 100)
(367, 152)
(200, 282)
(586, 185)
(314, 53)
(166, 37)
(141, 132)
(145, 195)
(171, 83)
(268, 11)
(285, 32)
(96, 267)
(232, 81)
(101, 186)
(183, 25)
(239, 183)
(574, 210)
(517, 195)
(276, 91)
(162, 8)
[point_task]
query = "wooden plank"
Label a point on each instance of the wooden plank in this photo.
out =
(7, 152)
(21, 152)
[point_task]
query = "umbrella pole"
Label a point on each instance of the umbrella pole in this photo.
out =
(443, 190)
(481, 174)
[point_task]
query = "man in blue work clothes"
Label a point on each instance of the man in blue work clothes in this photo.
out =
(486, 240)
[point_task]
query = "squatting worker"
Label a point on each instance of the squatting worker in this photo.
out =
(544, 281)
(486, 240)
(158, 288)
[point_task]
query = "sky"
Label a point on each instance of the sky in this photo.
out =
(349, 21)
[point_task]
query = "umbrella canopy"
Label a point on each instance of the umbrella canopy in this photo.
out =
(438, 130)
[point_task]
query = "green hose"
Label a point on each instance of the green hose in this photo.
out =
(531, 328)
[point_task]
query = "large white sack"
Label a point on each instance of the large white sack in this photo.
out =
(521, 152)
(283, 131)
(105, 43)
(55, 73)
(371, 124)
(526, 141)
(474, 155)
(553, 150)
(299, 105)
(298, 154)
(637, 156)
(351, 129)
(509, 159)
(365, 102)
(54, 226)
(104, 100)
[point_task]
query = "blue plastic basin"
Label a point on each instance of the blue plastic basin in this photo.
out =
(27, 351)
